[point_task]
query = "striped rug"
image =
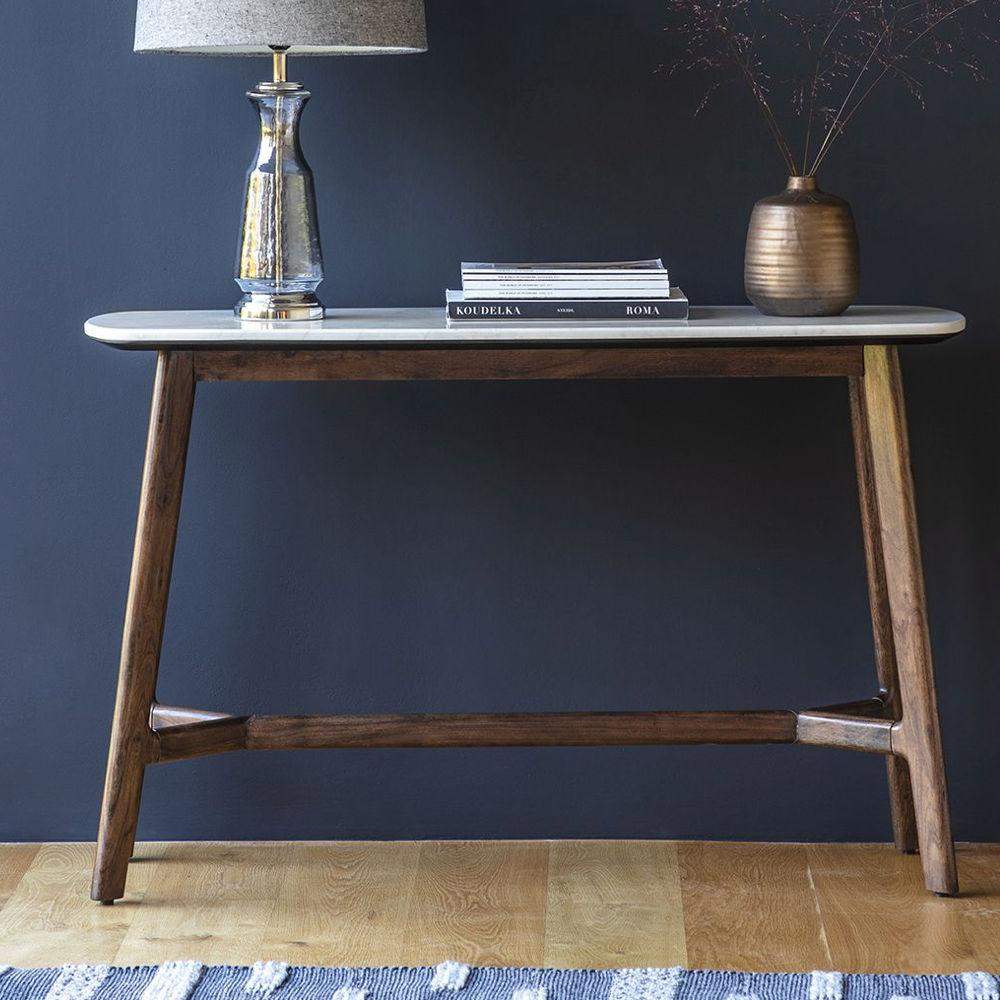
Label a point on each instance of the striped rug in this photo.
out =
(455, 981)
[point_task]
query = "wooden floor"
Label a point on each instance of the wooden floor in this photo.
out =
(561, 903)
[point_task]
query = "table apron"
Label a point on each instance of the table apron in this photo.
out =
(505, 363)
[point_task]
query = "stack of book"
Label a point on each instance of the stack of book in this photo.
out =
(621, 290)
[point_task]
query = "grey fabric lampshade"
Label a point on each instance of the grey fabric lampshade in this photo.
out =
(308, 27)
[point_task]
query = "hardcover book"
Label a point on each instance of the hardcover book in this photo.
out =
(461, 308)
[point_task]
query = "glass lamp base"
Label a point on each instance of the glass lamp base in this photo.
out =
(284, 305)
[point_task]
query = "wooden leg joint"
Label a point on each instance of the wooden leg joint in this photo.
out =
(199, 739)
(848, 732)
(164, 716)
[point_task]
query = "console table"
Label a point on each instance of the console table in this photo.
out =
(900, 721)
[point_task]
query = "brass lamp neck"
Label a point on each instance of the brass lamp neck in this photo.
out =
(279, 57)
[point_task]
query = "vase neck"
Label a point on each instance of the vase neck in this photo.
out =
(797, 183)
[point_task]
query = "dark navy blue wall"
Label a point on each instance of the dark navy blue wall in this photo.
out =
(472, 547)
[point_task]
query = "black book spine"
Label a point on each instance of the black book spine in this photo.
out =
(512, 310)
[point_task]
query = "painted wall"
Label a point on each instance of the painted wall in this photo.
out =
(472, 547)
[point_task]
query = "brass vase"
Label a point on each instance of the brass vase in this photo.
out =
(802, 252)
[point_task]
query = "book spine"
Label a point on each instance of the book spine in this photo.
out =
(512, 311)
(569, 293)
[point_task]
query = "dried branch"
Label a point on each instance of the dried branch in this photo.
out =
(833, 57)
(837, 18)
(837, 129)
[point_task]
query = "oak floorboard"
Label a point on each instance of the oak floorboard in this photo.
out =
(879, 917)
(979, 866)
(50, 919)
(15, 860)
(566, 903)
(477, 902)
(614, 903)
(210, 902)
(342, 904)
(750, 907)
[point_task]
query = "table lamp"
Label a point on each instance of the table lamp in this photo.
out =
(279, 262)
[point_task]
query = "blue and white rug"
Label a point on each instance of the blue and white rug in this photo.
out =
(454, 981)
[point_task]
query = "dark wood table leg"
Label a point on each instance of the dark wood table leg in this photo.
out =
(917, 736)
(132, 740)
(904, 823)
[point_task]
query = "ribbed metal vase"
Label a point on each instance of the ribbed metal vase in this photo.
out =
(802, 252)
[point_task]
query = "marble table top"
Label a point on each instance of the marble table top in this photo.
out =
(418, 326)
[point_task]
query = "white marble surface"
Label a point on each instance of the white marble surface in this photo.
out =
(220, 328)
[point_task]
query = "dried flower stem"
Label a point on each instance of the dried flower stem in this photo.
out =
(837, 128)
(844, 54)
(832, 130)
(772, 122)
(740, 60)
(816, 72)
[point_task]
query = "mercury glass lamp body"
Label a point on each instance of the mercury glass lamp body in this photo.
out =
(279, 264)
